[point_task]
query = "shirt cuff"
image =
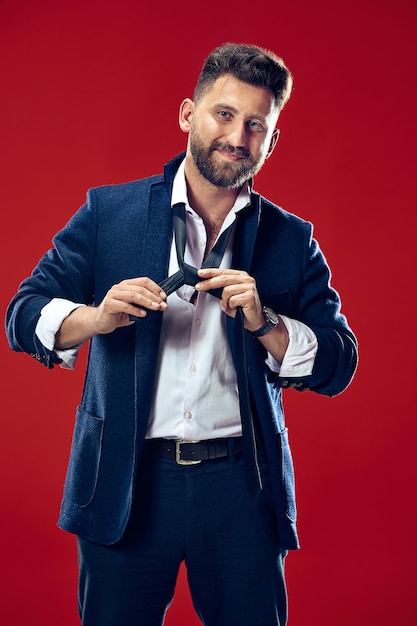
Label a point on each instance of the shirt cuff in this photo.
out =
(301, 352)
(52, 316)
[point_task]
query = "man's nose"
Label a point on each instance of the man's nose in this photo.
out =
(237, 135)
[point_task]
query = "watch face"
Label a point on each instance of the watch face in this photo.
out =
(270, 315)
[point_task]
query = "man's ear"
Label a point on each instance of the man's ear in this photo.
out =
(273, 142)
(186, 114)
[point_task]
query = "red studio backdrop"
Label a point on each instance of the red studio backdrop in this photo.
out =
(90, 91)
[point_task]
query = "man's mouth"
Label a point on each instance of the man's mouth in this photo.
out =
(230, 156)
(231, 153)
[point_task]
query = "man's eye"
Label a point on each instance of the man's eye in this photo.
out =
(224, 114)
(253, 125)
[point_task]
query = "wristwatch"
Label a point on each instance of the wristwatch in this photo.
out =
(271, 320)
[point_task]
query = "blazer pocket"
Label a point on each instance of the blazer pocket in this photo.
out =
(84, 462)
(280, 302)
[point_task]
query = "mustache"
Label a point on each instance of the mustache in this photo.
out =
(226, 147)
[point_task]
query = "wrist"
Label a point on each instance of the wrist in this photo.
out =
(271, 320)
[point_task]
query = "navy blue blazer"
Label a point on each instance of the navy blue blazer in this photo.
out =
(125, 231)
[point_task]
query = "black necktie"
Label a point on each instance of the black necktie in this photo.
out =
(187, 275)
(250, 457)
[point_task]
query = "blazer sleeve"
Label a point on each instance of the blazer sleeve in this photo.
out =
(65, 271)
(294, 279)
(318, 305)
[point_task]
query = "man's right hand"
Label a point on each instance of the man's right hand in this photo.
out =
(122, 300)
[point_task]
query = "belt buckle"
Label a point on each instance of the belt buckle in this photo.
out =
(178, 458)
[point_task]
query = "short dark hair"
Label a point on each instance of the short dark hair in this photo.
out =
(250, 64)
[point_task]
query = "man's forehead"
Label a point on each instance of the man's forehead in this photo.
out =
(228, 90)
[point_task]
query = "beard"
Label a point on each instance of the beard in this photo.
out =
(227, 174)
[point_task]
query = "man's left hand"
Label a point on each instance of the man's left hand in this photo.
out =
(239, 289)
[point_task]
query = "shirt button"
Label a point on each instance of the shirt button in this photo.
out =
(193, 368)
(202, 242)
(197, 323)
(188, 415)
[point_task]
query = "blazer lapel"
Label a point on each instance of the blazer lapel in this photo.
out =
(157, 243)
(243, 249)
(245, 235)
(154, 263)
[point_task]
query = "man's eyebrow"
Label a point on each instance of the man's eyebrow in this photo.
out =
(221, 105)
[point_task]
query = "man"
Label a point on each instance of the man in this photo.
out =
(180, 450)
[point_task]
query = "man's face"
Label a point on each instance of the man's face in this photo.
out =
(232, 131)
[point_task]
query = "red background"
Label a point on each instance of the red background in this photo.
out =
(89, 95)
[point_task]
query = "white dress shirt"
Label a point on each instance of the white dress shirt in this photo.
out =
(196, 395)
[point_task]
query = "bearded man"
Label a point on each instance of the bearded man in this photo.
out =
(201, 300)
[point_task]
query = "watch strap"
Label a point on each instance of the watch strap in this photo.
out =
(269, 324)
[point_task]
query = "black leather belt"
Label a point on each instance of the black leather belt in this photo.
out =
(193, 452)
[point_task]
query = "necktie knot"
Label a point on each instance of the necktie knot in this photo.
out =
(190, 274)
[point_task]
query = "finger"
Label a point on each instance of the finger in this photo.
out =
(143, 282)
(147, 300)
(126, 295)
(222, 279)
(212, 272)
